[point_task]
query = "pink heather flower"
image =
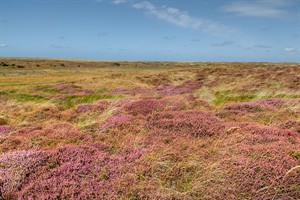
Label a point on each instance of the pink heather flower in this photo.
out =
(98, 106)
(194, 123)
(4, 128)
(15, 167)
(68, 172)
(117, 120)
(145, 106)
(265, 104)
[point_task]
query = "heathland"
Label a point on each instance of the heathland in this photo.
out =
(72, 129)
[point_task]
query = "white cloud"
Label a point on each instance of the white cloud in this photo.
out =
(277, 2)
(288, 49)
(173, 10)
(3, 45)
(180, 18)
(259, 8)
(119, 1)
(145, 5)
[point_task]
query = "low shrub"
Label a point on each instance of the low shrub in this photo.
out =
(145, 106)
(191, 123)
(98, 106)
(44, 136)
(68, 172)
(266, 104)
(15, 167)
(291, 124)
(186, 87)
(116, 121)
(3, 120)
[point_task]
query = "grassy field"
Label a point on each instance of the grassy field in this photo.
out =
(72, 129)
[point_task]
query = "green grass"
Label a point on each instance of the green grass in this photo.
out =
(296, 155)
(28, 97)
(237, 163)
(227, 96)
(23, 97)
(73, 100)
(48, 90)
(224, 97)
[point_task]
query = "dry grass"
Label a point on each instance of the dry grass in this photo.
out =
(149, 130)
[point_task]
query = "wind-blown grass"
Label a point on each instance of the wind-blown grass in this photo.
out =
(148, 130)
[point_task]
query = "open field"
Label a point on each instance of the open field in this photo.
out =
(149, 130)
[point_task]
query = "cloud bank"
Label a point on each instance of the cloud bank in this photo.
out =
(258, 8)
(3, 45)
(177, 17)
(289, 49)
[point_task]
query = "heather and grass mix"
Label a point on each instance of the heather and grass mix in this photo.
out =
(149, 130)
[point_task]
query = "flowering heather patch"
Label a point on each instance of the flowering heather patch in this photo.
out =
(259, 134)
(259, 166)
(116, 121)
(145, 106)
(49, 136)
(74, 140)
(185, 102)
(265, 104)
(76, 172)
(4, 129)
(162, 90)
(268, 130)
(169, 90)
(83, 108)
(261, 172)
(290, 124)
(15, 167)
(134, 91)
(45, 113)
(10, 143)
(99, 106)
(68, 88)
(246, 107)
(275, 102)
(193, 123)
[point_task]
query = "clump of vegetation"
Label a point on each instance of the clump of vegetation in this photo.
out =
(146, 106)
(28, 97)
(65, 167)
(4, 64)
(4, 128)
(73, 100)
(149, 130)
(3, 120)
(296, 155)
(116, 64)
(192, 123)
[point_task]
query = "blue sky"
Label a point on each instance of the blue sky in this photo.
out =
(172, 30)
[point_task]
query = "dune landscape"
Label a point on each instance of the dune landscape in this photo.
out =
(80, 129)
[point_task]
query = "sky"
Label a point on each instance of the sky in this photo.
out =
(152, 30)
